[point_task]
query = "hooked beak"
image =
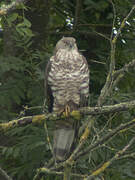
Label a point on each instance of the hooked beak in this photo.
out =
(71, 45)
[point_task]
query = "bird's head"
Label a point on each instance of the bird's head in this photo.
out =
(68, 43)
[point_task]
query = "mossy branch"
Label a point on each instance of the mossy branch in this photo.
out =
(38, 119)
(107, 137)
(109, 162)
(98, 144)
(112, 78)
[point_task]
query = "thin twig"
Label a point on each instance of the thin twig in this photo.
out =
(98, 62)
(60, 173)
(95, 25)
(48, 138)
(67, 172)
(107, 137)
(128, 155)
(125, 69)
(123, 24)
(88, 33)
(109, 80)
(119, 74)
(114, 19)
(81, 142)
(98, 144)
(77, 13)
(109, 162)
(4, 174)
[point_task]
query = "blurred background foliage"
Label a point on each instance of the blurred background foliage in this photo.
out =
(28, 35)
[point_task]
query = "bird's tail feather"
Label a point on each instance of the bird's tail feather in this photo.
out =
(63, 142)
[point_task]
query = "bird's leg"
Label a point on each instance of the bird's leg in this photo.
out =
(67, 111)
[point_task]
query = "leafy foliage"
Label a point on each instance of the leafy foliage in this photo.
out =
(22, 79)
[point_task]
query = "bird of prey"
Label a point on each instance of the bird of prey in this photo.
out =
(66, 89)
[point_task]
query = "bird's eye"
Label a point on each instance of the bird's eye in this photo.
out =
(65, 42)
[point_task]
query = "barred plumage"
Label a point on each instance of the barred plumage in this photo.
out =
(67, 81)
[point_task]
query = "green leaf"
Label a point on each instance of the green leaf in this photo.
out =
(11, 18)
(89, 2)
(16, 152)
(27, 23)
(27, 31)
(35, 145)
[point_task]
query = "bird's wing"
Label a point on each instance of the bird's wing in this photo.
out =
(48, 92)
(84, 94)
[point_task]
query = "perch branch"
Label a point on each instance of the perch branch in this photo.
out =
(26, 120)
(107, 109)
(84, 111)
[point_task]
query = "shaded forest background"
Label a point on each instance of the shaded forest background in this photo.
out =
(28, 35)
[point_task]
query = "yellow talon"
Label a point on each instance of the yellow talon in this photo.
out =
(67, 110)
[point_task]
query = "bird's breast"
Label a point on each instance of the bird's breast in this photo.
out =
(67, 77)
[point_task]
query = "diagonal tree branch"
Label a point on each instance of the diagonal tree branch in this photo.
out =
(125, 69)
(109, 80)
(123, 24)
(98, 144)
(109, 162)
(3, 173)
(119, 74)
(107, 137)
